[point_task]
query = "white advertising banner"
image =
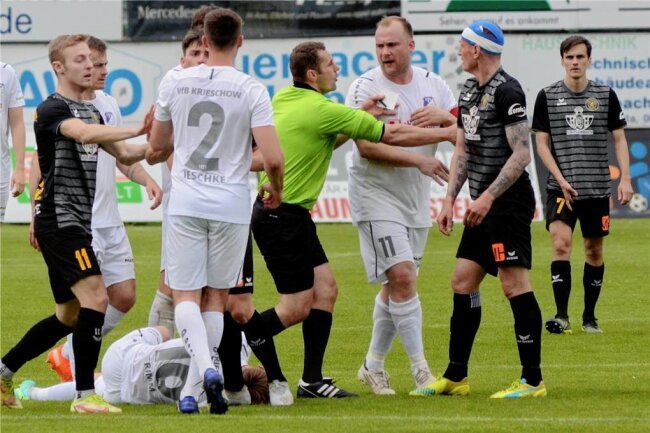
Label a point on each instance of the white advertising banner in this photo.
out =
(619, 60)
(41, 20)
(528, 15)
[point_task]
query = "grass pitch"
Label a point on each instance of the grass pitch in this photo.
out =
(596, 383)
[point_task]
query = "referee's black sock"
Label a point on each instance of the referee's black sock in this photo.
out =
(315, 333)
(592, 281)
(261, 342)
(37, 340)
(528, 331)
(561, 282)
(464, 323)
(229, 354)
(272, 322)
(86, 343)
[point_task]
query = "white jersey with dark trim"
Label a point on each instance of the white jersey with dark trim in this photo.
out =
(105, 212)
(212, 109)
(380, 191)
(10, 97)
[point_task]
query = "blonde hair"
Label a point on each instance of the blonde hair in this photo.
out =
(60, 43)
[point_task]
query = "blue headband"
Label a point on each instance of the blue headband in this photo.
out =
(487, 35)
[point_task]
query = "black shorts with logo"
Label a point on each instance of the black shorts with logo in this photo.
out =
(593, 214)
(288, 241)
(245, 282)
(70, 258)
(503, 239)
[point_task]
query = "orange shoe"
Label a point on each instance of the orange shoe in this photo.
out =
(60, 364)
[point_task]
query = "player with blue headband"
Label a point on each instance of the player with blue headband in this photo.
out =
(486, 34)
(492, 152)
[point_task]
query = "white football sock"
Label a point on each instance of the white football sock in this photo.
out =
(383, 334)
(64, 391)
(111, 319)
(193, 333)
(407, 317)
(214, 328)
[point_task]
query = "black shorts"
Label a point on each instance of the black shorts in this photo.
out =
(503, 239)
(70, 258)
(289, 243)
(245, 282)
(593, 214)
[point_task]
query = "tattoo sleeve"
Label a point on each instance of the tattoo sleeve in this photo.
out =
(519, 141)
(458, 177)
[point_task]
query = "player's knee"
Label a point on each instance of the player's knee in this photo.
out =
(122, 302)
(561, 246)
(462, 285)
(241, 315)
(402, 281)
(594, 255)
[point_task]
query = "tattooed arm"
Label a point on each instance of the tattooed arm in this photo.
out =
(457, 177)
(518, 138)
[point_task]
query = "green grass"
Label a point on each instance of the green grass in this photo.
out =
(595, 383)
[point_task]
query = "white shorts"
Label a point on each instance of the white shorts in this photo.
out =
(385, 244)
(113, 251)
(115, 358)
(202, 252)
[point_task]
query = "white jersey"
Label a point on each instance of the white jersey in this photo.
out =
(377, 190)
(10, 97)
(165, 172)
(154, 374)
(212, 109)
(105, 212)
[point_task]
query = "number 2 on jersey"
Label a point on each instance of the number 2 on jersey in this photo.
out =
(199, 160)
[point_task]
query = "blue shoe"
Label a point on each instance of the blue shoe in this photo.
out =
(22, 392)
(213, 385)
(188, 405)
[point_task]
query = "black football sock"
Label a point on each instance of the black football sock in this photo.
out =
(592, 281)
(261, 342)
(315, 333)
(464, 323)
(36, 341)
(272, 322)
(528, 332)
(229, 354)
(86, 343)
(561, 282)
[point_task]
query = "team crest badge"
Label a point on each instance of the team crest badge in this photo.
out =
(108, 116)
(579, 122)
(592, 104)
(427, 100)
(470, 123)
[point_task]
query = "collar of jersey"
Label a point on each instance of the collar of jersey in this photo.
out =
(302, 85)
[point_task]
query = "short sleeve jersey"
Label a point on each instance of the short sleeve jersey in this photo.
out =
(212, 110)
(578, 125)
(65, 194)
(10, 97)
(379, 191)
(154, 373)
(165, 172)
(105, 212)
(307, 124)
(484, 113)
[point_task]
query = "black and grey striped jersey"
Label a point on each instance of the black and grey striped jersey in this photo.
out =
(484, 112)
(65, 194)
(578, 125)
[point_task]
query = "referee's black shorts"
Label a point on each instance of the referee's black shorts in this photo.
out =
(69, 257)
(245, 282)
(288, 241)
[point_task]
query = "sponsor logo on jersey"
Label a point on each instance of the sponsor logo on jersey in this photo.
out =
(467, 96)
(592, 104)
(579, 122)
(517, 110)
(499, 252)
(470, 124)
